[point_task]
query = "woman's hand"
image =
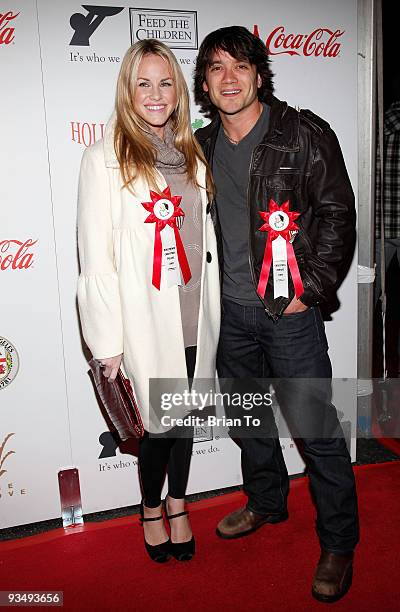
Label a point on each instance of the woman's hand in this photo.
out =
(111, 366)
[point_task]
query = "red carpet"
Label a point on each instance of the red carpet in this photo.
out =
(103, 566)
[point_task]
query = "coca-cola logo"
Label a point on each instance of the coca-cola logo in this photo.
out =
(7, 31)
(16, 255)
(321, 42)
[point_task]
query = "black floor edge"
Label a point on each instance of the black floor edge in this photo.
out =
(369, 451)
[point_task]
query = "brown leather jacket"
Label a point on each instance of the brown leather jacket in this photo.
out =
(299, 160)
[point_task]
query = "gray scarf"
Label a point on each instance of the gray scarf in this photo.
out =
(169, 159)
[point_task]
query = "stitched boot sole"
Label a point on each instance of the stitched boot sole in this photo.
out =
(269, 519)
(333, 598)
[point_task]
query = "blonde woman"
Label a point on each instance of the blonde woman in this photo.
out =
(161, 319)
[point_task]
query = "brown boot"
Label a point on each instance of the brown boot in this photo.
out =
(333, 575)
(244, 521)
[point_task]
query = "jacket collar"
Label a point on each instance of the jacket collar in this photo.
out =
(284, 124)
(110, 156)
(283, 130)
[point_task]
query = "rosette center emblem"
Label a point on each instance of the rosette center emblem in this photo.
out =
(279, 220)
(163, 209)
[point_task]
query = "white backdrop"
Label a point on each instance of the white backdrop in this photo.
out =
(57, 98)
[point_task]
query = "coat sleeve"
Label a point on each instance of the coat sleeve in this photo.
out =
(98, 285)
(331, 197)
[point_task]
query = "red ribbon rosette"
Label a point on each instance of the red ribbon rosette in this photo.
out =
(164, 210)
(279, 221)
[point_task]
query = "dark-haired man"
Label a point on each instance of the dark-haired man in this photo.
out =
(285, 222)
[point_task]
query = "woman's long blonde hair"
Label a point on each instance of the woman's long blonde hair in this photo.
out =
(134, 150)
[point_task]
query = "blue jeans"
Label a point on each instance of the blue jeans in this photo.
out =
(294, 353)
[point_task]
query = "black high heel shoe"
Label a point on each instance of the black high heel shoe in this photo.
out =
(160, 552)
(181, 551)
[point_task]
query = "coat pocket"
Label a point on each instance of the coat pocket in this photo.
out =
(281, 188)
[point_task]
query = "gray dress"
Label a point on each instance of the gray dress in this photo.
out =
(171, 163)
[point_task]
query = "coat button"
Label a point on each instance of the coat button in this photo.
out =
(208, 208)
(209, 258)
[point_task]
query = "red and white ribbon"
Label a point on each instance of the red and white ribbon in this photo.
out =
(164, 211)
(279, 223)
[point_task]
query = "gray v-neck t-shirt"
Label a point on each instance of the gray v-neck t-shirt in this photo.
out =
(231, 166)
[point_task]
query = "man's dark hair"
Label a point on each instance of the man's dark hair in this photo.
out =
(240, 44)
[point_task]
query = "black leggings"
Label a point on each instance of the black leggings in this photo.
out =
(159, 455)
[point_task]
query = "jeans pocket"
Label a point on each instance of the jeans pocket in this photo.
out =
(302, 313)
(320, 327)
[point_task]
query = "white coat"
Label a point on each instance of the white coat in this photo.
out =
(120, 310)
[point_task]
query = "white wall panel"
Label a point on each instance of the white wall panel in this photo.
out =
(33, 407)
(57, 426)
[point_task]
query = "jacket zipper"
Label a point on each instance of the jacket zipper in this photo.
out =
(309, 281)
(249, 242)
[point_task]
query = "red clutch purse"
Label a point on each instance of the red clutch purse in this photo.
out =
(119, 402)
